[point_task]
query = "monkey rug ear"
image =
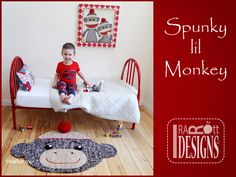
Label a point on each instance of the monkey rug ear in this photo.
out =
(108, 150)
(19, 150)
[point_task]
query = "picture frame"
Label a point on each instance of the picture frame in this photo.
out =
(97, 25)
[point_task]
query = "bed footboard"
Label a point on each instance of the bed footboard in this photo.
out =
(131, 71)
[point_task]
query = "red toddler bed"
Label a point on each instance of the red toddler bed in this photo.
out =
(129, 73)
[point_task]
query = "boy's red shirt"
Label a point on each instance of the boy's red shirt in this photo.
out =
(67, 73)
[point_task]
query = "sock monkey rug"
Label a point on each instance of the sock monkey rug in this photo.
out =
(63, 152)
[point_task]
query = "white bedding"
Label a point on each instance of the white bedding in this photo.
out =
(38, 95)
(116, 100)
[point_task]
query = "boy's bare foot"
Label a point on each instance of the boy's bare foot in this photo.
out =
(70, 98)
(62, 97)
(65, 100)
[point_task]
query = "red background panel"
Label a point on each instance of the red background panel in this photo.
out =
(194, 96)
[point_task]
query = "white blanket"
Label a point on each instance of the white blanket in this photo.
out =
(116, 101)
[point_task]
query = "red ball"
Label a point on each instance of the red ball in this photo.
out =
(64, 126)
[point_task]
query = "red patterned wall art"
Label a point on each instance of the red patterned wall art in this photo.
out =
(97, 25)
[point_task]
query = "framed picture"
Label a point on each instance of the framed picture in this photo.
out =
(97, 25)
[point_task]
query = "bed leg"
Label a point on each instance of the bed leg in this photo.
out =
(133, 126)
(14, 116)
(120, 124)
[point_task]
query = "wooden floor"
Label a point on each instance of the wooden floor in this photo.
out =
(135, 148)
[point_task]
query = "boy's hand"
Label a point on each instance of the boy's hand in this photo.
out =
(86, 83)
(54, 85)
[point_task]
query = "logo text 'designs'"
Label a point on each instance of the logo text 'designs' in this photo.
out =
(195, 140)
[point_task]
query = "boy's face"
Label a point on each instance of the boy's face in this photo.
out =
(68, 55)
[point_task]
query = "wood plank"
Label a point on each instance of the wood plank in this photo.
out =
(127, 160)
(144, 147)
(24, 137)
(137, 155)
(142, 138)
(27, 169)
(5, 127)
(14, 166)
(148, 112)
(147, 136)
(40, 173)
(147, 123)
(114, 163)
(102, 168)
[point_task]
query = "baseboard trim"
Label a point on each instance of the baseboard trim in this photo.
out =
(6, 102)
(147, 107)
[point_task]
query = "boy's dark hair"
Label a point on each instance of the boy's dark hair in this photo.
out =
(68, 46)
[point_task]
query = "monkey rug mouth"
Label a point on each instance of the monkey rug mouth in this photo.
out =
(63, 152)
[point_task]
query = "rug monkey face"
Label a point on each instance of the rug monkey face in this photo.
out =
(63, 158)
(63, 155)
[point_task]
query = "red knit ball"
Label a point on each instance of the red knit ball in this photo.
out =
(64, 127)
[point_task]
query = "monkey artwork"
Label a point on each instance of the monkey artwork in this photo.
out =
(91, 21)
(105, 29)
(64, 154)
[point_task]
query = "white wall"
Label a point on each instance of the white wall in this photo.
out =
(36, 31)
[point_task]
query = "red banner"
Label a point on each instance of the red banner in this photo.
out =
(194, 88)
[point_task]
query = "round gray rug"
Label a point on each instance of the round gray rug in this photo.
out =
(70, 153)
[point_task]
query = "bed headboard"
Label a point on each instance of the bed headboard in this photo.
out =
(128, 74)
(16, 65)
